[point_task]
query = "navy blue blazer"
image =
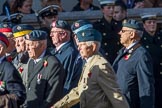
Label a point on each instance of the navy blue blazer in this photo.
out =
(45, 82)
(134, 72)
(67, 55)
(12, 81)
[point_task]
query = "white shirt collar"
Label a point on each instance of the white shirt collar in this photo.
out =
(131, 45)
(40, 57)
(61, 46)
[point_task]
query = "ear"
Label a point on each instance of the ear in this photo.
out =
(132, 34)
(2, 49)
(94, 47)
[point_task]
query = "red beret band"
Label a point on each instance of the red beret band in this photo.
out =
(5, 30)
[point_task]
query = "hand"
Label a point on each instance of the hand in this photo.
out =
(58, 105)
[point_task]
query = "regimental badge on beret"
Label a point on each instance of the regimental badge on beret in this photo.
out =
(124, 21)
(18, 28)
(76, 25)
(5, 25)
(51, 9)
(83, 34)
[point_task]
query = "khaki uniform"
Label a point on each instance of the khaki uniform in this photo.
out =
(97, 87)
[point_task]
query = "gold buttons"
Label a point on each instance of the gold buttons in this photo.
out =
(104, 34)
(161, 64)
(147, 46)
(160, 73)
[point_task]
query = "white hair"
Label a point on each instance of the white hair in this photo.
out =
(89, 43)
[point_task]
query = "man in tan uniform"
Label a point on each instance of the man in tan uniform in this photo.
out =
(97, 87)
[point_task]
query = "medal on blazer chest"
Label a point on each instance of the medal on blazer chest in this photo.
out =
(2, 86)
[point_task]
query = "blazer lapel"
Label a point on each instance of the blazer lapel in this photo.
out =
(37, 69)
(121, 54)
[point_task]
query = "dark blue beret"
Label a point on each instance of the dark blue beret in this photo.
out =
(50, 10)
(131, 23)
(89, 35)
(81, 25)
(21, 30)
(61, 24)
(36, 35)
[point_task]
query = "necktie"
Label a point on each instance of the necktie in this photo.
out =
(30, 67)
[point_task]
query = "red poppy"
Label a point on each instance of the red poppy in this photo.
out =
(89, 74)
(126, 57)
(45, 63)
(21, 69)
(9, 59)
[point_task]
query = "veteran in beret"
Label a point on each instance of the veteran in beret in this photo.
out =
(109, 29)
(97, 87)
(48, 15)
(64, 50)
(12, 90)
(6, 29)
(78, 64)
(45, 73)
(134, 68)
(21, 60)
(152, 41)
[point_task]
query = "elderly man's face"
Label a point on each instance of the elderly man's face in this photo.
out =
(125, 36)
(57, 35)
(34, 48)
(20, 44)
(85, 50)
(11, 46)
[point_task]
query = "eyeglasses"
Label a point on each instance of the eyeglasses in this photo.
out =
(123, 31)
(57, 32)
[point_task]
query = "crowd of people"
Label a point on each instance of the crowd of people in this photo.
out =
(114, 62)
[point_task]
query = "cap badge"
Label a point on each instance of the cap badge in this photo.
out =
(77, 25)
(51, 10)
(5, 25)
(18, 27)
(125, 21)
(83, 34)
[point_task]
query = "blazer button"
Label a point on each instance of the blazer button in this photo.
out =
(147, 46)
(160, 73)
(161, 64)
